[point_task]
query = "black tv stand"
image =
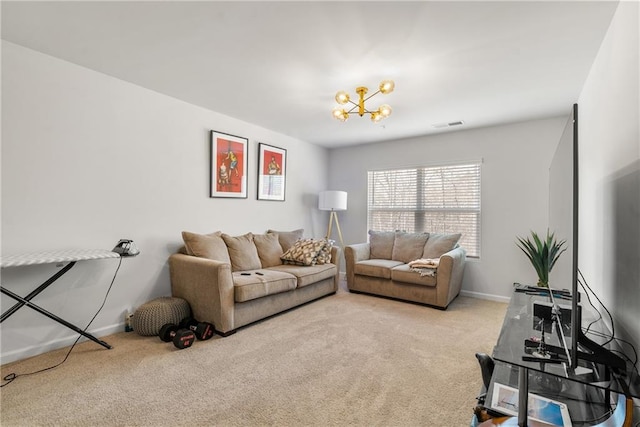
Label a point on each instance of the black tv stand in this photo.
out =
(587, 388)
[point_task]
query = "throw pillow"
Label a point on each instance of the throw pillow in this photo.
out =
(440, 244)
(381, 244)
(288, 238)
(408, 246)
(209, 246)
(305, 252)
(243, 252)
(269, 249)
(324, 257)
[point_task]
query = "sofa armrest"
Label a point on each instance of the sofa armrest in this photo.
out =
(449, 275)
(353, 254)
(207, 286)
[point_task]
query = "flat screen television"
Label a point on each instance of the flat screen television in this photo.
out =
(563, 218)
(563, 221)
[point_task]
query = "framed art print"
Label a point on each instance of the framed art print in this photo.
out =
(541, 410)
(272, 172)
(228, 173)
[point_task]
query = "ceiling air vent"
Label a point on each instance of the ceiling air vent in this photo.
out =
(447, 125)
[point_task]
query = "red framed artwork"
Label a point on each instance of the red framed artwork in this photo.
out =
(228, 173)
(272, 172)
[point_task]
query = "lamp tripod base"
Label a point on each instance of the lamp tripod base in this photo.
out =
(332, 217)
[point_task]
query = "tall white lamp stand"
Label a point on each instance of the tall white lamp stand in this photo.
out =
(333, 201)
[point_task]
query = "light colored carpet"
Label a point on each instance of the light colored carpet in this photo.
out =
(346, 359)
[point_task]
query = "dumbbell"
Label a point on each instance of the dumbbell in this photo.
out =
(202, 330)
(181, 337)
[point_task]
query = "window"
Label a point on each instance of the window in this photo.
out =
(436, 199)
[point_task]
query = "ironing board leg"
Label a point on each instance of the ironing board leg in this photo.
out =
(36, 291)
(52, 316)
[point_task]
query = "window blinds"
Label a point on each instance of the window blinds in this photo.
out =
(437, 199)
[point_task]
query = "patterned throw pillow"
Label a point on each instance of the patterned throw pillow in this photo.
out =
(308, 252)
(324, 257)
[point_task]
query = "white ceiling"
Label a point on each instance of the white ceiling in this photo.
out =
(279, 64)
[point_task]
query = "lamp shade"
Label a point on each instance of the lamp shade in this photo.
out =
(332, 201)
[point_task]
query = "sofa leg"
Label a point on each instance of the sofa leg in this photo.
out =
(226, 334)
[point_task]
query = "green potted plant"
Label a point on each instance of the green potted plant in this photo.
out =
(543, 254)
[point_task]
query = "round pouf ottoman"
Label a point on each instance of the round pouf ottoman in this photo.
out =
(152, 315)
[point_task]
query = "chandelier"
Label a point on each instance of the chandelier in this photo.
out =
(382, 112)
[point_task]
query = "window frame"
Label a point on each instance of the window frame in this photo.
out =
(421, 211)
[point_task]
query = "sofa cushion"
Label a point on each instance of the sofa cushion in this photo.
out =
(253, 286)
(210, 246)
(308, 275)
(440, 244)
(408, 246)
(381, 244)
(288, 238)
(404, 274)
(376, 267)
(243, 252)
(306, 252)
(269, 249)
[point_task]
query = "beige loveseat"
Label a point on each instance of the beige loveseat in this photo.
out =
(418, 267)
(234, 281)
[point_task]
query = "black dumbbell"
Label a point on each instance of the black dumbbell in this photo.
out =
(181, 337)
(203, 330)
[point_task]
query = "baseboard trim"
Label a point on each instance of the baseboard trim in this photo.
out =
(35, 350)
(481, 295)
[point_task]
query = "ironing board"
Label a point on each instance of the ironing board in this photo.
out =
(71, 257)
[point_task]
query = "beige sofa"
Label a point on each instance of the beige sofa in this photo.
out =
(234, 281)
(384, 266)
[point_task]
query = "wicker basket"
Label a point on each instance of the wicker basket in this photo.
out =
(152, 315)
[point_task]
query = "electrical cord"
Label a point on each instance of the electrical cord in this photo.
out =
(634, 360)
(12, 376)
(588, 328)
(613, 330)
(610, 337)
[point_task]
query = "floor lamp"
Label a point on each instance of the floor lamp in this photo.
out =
(333, 201)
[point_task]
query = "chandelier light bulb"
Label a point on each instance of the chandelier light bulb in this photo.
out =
(340, 114)
(385, 110)
(376, 117)
(387, 86)
(342, 97)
